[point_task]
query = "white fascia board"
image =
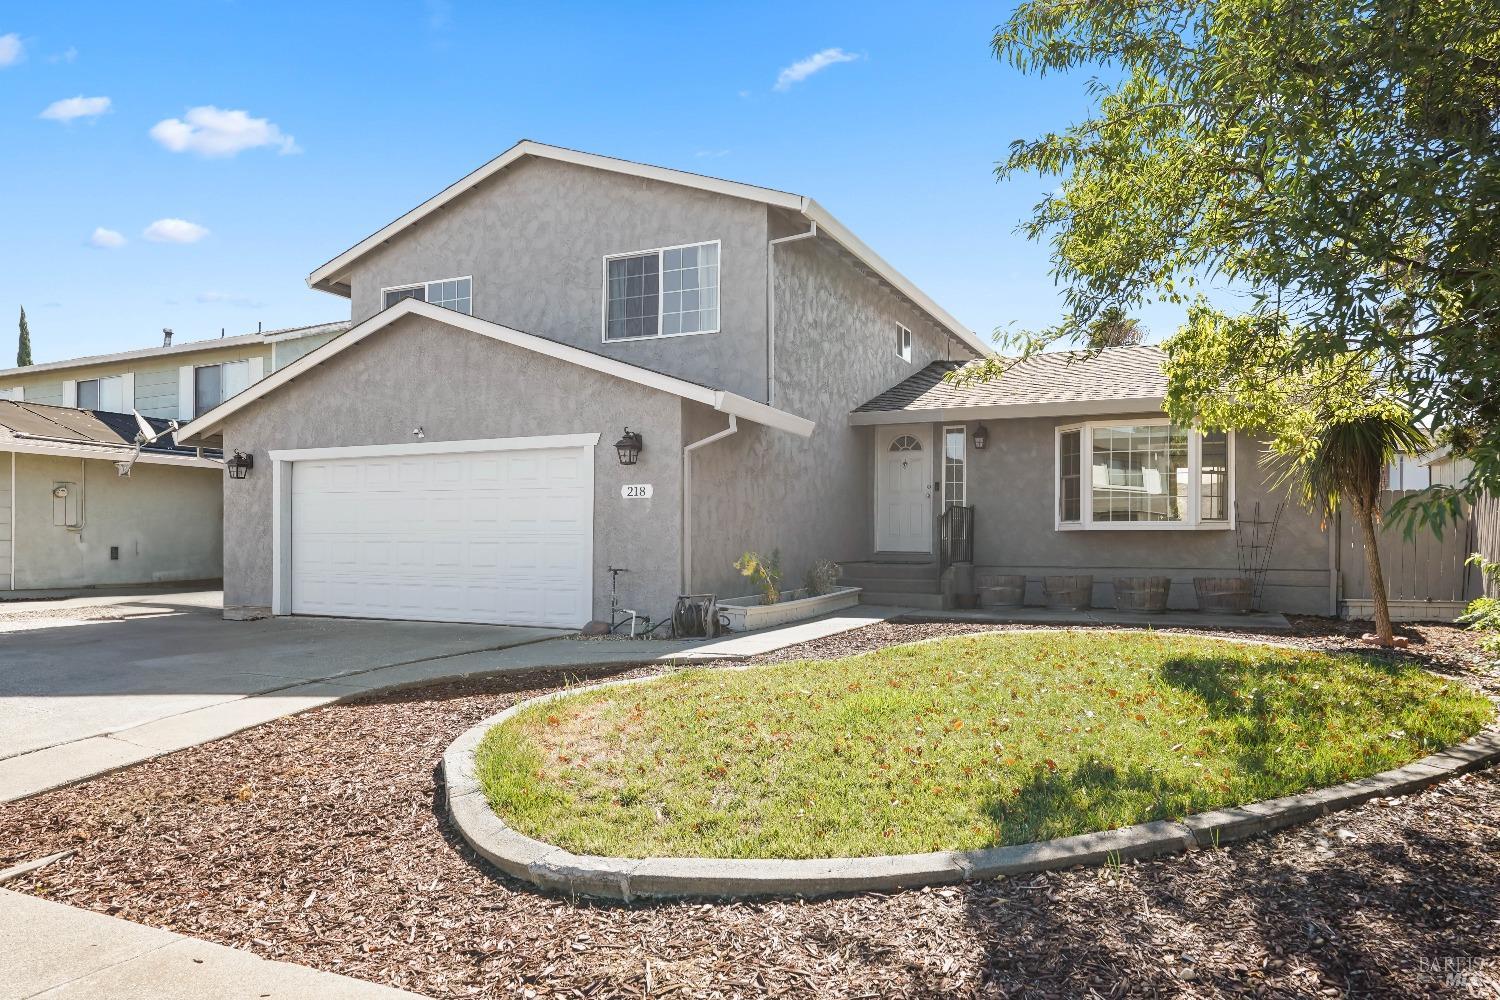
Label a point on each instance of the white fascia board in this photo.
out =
(64, 449)
(146, 352)
(306, 331)
(760, 413)
(325, 278)
(1011, 411)
(212, 421)
(531, 443)
(840, 234)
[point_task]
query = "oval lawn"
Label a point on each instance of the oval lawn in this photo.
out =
(956, 744)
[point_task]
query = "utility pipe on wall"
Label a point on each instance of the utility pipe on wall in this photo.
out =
(687, 498)
(771, 307)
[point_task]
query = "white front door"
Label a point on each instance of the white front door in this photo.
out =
(903, 490)
(494, 537)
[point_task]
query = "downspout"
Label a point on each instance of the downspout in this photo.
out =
(12, 520)
(771, 307)
(687, 498)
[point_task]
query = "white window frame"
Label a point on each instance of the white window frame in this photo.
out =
(661, 290)
(963, 435)
(903, 342)
(426, 294)
(1193, 521)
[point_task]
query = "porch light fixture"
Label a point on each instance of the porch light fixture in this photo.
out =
(981, 437)
(239, 463)
(629, 447)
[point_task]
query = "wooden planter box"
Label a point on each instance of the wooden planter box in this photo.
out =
(1002, 591)
(745, 614)
(1142, 593)
(1068, 592)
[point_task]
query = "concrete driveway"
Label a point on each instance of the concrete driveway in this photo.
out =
(81, 668)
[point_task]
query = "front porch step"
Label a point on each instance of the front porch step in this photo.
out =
(905, 599)
(915, 585)
(874, 569)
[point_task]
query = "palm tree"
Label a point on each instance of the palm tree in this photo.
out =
(1346, 463)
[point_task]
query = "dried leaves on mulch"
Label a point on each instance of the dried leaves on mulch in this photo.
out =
(319, 839)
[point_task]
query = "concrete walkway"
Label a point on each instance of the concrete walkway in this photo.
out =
(59, 952)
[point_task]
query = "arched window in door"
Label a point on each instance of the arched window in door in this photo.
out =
(906, 443)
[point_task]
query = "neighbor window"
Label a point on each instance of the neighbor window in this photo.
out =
(1142, 474)
(662, 293)
(212, 384)
(450, 293)
(954, 471)
(903, 343)
(106, 394)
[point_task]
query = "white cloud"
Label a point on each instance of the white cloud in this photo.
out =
(804, 68)
(11, 49)
(211, 131)
(106, 239)
(71, 108)
(226, 299)
(174, 231)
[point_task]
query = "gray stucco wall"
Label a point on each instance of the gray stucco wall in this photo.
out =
(1010, 485)
(534, 239)
(459, 386)
(765, 489)
(164, 520)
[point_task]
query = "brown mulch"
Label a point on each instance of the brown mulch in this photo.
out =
(320, 839)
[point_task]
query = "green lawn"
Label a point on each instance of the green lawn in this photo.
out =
(964, 743)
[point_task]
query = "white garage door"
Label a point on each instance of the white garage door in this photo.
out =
(497, 537)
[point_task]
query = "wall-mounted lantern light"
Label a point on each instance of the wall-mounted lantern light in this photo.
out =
(239, 464)
(981, 437)
(629, 447)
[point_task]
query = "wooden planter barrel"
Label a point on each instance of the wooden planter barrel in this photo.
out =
(1074, 592)
(1002, 591)
(1142, 593)
(1223, 593)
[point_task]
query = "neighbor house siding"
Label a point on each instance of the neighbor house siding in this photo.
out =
(156, 392)
(7, 545)
(809, 498)
(458, 386)
(163, 520)
(284, 352)
(534, 240)
(155, 377)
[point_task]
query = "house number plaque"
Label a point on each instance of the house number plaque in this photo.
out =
(636, 491)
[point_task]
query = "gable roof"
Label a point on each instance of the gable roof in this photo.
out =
(186, 347)
(1062, 383)
(725, 402)
(38, 428)
(329, 277)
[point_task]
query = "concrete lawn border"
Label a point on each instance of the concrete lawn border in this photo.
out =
(628, 879)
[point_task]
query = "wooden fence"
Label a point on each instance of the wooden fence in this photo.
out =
(1425, 576)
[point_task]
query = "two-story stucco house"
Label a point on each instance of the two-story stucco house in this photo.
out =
(453, 456)
(81, 505)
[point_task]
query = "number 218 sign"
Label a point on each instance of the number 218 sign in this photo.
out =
(636, 491)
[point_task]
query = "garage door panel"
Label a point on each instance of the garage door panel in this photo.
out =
(498, 537)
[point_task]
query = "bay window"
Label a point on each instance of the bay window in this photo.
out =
(1142, 474)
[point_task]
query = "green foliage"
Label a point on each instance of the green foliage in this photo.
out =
(23, 345)
(964, 743)
(1334, 160)
(1113, 328)
(766, 572)
(822, 576)
(1483, 613)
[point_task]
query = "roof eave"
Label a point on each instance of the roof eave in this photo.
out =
(1010, 411)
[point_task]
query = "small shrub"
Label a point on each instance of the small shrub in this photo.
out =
(766, 572)
(822, 576)
(1483, 613)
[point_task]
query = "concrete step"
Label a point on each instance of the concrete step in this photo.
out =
(881, 570)
(880, 586)
(906, 599)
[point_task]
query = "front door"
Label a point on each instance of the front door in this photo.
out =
(903, 517)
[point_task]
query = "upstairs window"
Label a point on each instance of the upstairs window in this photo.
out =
(1142, 474)
(212, 384)
(450, 293)
(106, 394)
(668, 292)
(903, 343)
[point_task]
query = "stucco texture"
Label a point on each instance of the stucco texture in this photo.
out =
(534, 239)
(810, 498)
(458, 386)
(1010, 485)
(164, 520)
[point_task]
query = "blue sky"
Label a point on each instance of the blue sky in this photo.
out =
(350, 115)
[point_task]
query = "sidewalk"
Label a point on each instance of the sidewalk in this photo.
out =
(59, 952)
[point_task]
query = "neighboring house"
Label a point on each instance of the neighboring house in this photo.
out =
(82, 506)
(453, 456)
(171, 382)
